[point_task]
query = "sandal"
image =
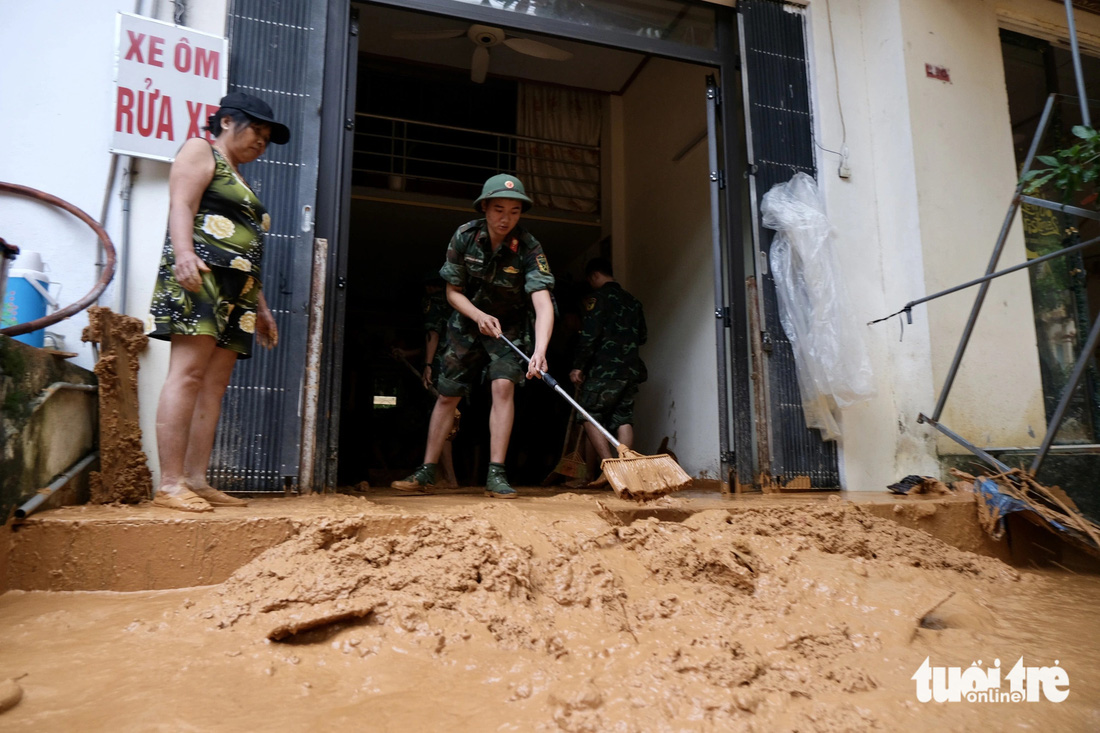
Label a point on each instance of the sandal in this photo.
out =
(184, 501)
(214, 497)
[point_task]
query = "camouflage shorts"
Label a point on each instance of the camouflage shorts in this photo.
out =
(467, 352)
(610, 401)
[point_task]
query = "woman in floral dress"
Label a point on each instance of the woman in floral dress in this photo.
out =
(208, 300)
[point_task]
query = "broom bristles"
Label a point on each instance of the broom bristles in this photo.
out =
(572, 466)
(638, 477)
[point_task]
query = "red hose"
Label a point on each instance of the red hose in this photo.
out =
(93, 294)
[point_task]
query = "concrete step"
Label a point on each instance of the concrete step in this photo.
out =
(143, 547)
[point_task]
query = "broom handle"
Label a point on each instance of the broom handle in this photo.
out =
(431, 390)
(557, 388)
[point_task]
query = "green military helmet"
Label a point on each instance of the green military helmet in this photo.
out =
(503, 186)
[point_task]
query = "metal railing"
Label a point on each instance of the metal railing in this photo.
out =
(426, 157)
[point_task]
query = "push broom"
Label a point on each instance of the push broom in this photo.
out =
(632, 475)
(572, 464)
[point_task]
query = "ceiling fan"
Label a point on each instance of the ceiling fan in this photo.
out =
(485, 37)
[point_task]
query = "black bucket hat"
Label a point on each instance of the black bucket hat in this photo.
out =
(258, 110)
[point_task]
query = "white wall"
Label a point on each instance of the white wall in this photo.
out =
(57, 121)
(879, 235)
(932, 175)
(56, 101)
(966, 169)
(663, 238)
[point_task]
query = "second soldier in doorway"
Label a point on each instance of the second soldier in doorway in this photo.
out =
(606, 364)
(437, 312)
(496, 273)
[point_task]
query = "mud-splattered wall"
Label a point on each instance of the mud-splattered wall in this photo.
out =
(39, 438)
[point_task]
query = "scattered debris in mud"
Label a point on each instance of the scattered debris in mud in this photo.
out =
(1001, 494)
(913, 485)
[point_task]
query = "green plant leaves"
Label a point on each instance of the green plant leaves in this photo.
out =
(1069, 170)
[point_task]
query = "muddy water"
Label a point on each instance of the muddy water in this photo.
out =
(497, 618)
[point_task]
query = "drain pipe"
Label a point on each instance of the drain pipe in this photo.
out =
(112, 173)
(57, 387)
(43, 494)
(124, 244)
(100, 260)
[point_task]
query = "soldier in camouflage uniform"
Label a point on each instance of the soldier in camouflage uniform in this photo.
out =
(495, 272)
(606, 364)
(437, 311)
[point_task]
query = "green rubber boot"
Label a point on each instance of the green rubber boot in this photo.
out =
(496, 485)
(419, 482)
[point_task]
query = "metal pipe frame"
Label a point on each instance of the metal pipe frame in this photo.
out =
(502, 135)
(979, 300)
(1063, 208)
(1075, 52)
(487, 168)
(392, 154)
(964, 443)
(1083, 360)
(436, 144)
(1068, 448)
(1067, 394)
(1007, 271)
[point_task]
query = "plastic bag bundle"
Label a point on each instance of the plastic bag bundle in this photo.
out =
(834, 370)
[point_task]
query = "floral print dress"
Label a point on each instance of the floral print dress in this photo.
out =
(228, 235)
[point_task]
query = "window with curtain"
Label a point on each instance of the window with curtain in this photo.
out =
(561, 169)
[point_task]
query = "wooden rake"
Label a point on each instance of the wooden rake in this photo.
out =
(632, 475)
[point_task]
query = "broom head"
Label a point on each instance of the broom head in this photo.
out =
(642, 478)
(573, 466)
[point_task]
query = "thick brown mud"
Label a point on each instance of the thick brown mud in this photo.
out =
(124, 474)
(494, 617)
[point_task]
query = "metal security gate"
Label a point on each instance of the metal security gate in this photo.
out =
(780, 143)
(277, 53)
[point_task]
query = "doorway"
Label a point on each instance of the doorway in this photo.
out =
(426, 135)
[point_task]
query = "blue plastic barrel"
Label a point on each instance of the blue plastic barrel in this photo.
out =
(26, 297)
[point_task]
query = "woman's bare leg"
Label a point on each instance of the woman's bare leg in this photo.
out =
(187, 365)
(204, 419)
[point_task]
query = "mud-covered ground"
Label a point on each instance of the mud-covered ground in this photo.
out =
(496, 617)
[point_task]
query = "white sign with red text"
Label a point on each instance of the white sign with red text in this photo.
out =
(168, 81)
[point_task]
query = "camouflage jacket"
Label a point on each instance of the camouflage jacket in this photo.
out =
(436, 312)
(613, 329)
(500, 282)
